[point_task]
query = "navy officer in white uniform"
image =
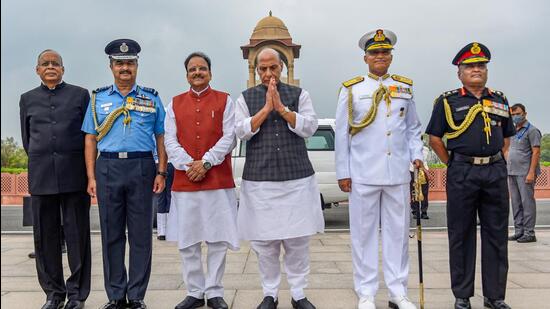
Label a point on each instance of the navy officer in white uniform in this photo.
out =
(377, 137)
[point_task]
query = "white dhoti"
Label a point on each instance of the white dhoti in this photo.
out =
(388, 205)
(283, 213)
(209, 216)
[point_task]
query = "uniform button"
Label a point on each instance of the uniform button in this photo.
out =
(54, 122)
(278, 149)
(276, 134)
(387, 115)
(275, 120)
(198, 137)
(198, 100)
(198, 123)
(52, 107)
(388, 133)
(198, 110)
(389, 153)
(55, 153)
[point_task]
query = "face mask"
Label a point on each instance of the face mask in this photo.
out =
(518, 119)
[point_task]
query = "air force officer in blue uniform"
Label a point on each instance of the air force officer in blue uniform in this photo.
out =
(119, 123)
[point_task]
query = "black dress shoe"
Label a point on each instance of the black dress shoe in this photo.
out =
(527, 238)
(462, 303)
(137, 304)
(216, 303)
(115, 304)
(268, 303)
(74, 304)
(415, 215)
(495, 303)
(514, 237)
(424, 216)
(32, 255)
(190, 302)
(161, 237)
(53, 304)
(302, 304)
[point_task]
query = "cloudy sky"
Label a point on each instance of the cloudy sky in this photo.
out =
(429, 35)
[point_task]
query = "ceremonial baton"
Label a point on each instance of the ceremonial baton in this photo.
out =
(419, 179)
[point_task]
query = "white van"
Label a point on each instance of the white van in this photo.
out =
(321, 154)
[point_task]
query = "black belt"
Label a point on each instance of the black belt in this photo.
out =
(477, 160)
(127, 155)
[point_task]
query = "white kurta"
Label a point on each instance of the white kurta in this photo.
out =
(209, 215)
(379, 154)
(270, 210)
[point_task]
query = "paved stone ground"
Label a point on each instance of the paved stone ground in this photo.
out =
(330, 282)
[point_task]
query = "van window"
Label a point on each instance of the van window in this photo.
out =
(322, 140)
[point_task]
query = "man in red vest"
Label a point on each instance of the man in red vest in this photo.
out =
(200, 136)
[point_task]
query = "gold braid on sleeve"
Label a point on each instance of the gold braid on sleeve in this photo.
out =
(380, 93)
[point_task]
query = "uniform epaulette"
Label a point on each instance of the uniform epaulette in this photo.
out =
(449, 93)
(353, 81)
(499, 93)
(101, 89)
(150, 90)
(402, 79)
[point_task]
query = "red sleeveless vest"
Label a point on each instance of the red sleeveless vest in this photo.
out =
(199, 122)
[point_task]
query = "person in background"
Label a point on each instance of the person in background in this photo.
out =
(523, 169)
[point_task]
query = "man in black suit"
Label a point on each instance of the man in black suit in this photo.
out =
(51, 116)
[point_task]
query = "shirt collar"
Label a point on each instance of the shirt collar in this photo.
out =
(114, 88)
(58, 86)
(486, 92)
(378, 78)
(205, 91)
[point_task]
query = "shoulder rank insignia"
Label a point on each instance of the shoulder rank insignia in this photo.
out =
(101, 89)
(497, 92)
(150, 90)
(353, 81)
(402, 79)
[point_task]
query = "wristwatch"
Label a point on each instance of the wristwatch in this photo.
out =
(207, 165)
(286, 110)
(164, 174)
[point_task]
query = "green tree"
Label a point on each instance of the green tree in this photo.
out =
(545, 148)
(13, 155)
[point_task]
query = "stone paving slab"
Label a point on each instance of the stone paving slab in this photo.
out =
(330, 282)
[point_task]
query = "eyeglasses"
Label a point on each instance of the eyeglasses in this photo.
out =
(46, 64)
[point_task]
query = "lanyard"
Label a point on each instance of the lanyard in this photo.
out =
(519, 136)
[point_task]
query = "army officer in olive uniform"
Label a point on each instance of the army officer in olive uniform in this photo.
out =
(119, 122)
(476, 122)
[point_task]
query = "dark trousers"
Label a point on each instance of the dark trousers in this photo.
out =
(125, 193)
(480, 189)
(165, 197)
(425, 190)
(48, 212)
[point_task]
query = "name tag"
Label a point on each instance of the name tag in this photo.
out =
(106, 105)
(462, 108)
(365, 96)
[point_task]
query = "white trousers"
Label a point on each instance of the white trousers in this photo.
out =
(296, 263)
(370, 206)
(161, 224)
(198, 284)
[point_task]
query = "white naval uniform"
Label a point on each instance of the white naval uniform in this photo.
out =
(275, 213)
(377, 161)
(197, 216)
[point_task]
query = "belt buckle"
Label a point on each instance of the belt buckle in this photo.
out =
(481, 160)
(123, 155)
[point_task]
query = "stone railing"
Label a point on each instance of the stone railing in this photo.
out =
(15, 186)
